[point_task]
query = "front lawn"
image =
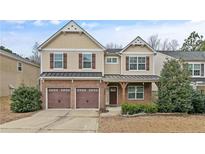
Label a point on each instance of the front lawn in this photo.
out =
(6, 114)
(153, 124)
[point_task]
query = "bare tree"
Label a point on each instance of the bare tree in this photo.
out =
(173, 45)
(36, 56)
(165, 45)
(154, 42)
(113, 46)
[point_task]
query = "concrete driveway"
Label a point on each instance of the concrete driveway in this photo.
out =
(55, 121)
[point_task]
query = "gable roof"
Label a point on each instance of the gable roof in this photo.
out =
(186, 55)
(71, 26)
(138, 41)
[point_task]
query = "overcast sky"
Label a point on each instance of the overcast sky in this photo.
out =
(20, 36)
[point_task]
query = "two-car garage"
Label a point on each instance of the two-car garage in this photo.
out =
(60, 98)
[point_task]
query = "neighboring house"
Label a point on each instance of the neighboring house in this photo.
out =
(14, 71)
(78, 72)
(195, 59)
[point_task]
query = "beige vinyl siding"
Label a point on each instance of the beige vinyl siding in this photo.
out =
(72, 40)
(159, 63)
(10, 76)
(113, 68)
(137, 51)
(73, 62)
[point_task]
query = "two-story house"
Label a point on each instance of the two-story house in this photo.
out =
(15, 71)
(195, 60)
(78, 72)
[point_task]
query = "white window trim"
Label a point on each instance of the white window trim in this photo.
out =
(18, 66)
(137, 62)
(194, 69)
(85, 53)
(135, 93)
(117, 62)
(54, 61)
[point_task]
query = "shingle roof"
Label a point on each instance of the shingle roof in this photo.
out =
(113, 51)
(186, 55)
(130, 78)
(71, 74)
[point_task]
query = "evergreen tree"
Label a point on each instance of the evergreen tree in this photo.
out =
(193, 42)
(175, 90)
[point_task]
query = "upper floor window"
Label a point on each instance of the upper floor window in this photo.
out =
(58, 60)
(195, 69)
(87, 60)
(19, 66)
(137, 63)
(135, 92)
(112, 60)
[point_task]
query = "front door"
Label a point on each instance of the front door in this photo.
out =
(113, 95)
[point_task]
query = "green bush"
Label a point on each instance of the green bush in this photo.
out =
(25, 99)
(198, 102)
(165, 107)
(175, 87)
(150, 108)
(138, 108)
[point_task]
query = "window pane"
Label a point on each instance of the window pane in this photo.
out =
(196, 72)
(58, 64)
(58, 57)
(86, 64)
(190, 66)
(131, 89)
(87, 57)
(114, 60)
(19, 69)
(133, 66)
(133, 60)
(141, 66)
(131, 95)
(109, 60)
(140, 89)
(141, 59)
(197, 66)
(19, 64)
(139, 95)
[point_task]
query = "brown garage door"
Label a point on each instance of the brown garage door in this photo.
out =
(58, 98)
(87, 97)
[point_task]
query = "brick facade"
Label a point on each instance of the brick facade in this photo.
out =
(73, 85)
(93, 84)
(147, 93)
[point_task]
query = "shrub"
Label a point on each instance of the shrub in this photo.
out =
(150, 108)
(25, 99)
(174, 87)
(138, 108)
(198, 102)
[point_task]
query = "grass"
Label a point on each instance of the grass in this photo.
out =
(153, 124)
(6, 114)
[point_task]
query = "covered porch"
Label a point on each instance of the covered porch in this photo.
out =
(128, 89)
